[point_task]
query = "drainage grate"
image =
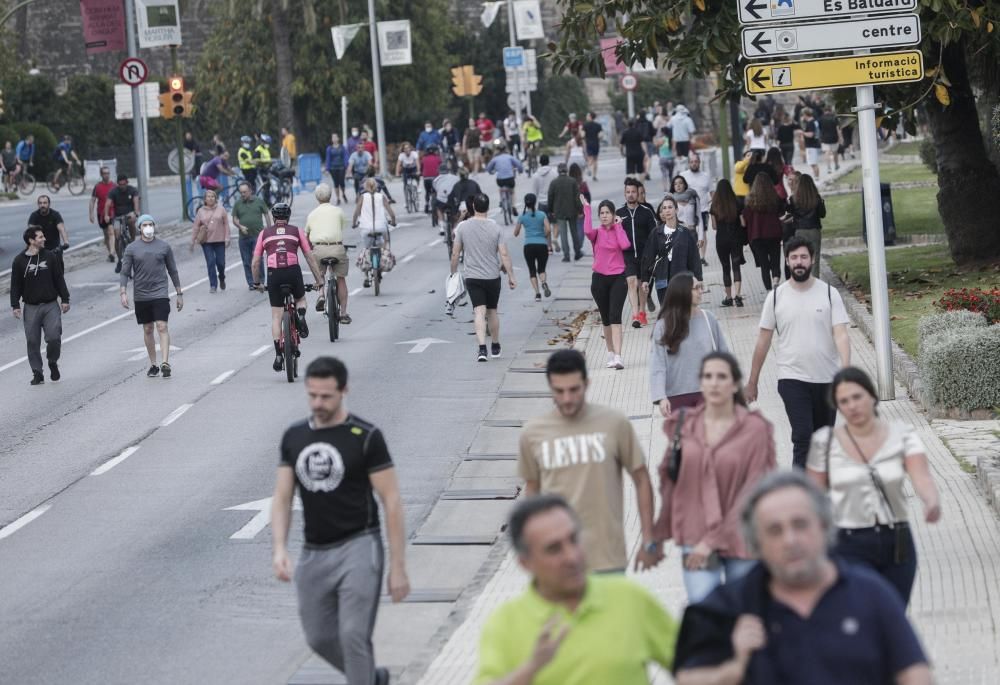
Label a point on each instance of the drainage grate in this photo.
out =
(485, 539)
(484, 493)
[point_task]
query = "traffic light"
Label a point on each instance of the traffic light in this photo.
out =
(176, 93)
(465, 81)
(166, 106)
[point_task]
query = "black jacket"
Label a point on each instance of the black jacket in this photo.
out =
(684, 256)
(762, 168)
(37, 279)
(802, 218)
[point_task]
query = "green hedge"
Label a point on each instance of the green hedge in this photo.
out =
(8, 133)
(933, 325)
(960, 367)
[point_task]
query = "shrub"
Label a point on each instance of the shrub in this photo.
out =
(561, 95)
(936, 324)
(986, 302)
(45, 145)
(8, 133)
(961, 368)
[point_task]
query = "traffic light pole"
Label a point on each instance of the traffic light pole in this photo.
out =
(179, 134)
(138, 143)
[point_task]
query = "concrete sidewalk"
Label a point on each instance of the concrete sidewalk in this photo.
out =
(956, 604)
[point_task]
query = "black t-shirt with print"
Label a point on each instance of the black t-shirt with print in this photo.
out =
(331, 468)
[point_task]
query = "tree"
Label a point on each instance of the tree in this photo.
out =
(700, 37)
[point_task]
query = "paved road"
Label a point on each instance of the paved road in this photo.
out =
(122, 567)
(164, 201)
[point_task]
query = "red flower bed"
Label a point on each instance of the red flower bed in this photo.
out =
(986, 302)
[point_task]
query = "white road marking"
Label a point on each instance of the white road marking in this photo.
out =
(261, 350)
(422, 344)
(408, 258)
(221, 378)
(108, 322)
(352, 293)
(435, 242)
(115, 461)
(175, 414)
(20, 523)
(262, 518)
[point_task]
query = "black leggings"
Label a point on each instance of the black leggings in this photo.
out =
(537, 256)
(730, 252)
(428, 191)
(768, 253)
(609, 293)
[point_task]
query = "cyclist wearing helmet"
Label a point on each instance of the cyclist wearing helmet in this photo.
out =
(279, 245)
(244, 158)
(147, 262)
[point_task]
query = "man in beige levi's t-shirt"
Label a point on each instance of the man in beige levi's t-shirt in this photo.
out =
(579, 451)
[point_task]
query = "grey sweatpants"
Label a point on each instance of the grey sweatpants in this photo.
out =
(37, 318)
(338, 589)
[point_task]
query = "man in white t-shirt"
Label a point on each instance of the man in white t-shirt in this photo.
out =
(811, 322)
(701, 181)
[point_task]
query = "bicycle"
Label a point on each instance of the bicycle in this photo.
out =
(411, 191)
(332, 309)
(124, 233)
(275, 184)
(227, 197)
(22, 182)
(531, 158)
(507, 204)
(451, 221)
(289, 340)
(73, 180)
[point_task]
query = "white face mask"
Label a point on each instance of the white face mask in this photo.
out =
(428, 128)
(354, 132)
(147, 231)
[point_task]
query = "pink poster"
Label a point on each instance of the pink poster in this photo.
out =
(611, 63)
(103, 25)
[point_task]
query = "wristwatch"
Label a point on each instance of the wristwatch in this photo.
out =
(652, 547)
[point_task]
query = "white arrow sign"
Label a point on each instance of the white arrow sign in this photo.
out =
(834, 36)
(422, 344)
(261, 520)
(758, 11)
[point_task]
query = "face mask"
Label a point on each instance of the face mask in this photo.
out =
(354, 132)
(428, 128)
(147, 231)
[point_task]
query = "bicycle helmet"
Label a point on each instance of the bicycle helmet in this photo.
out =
(281, 210)
(145, 219)
(266, 138)
(432, 149)
(246, 140)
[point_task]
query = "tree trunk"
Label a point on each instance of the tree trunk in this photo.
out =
(283, 63)
(968, 183)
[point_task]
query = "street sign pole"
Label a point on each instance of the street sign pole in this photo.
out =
(138, 140)
(876, 243)
(630, 97)
(377, 84)
(517, 73)
(179, 140)
(343, 119)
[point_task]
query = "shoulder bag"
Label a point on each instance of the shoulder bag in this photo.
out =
(674, 459)
(201, 235)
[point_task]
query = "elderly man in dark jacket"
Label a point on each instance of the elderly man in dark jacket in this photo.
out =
(564, 207)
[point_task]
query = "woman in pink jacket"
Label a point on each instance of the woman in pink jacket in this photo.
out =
(725, 449)
(211, 229)
(607, 284)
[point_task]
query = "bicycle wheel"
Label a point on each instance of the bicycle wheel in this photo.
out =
(332, 309)
(77, 184)
(377, 281)
(194, 204)
(26, 183)
(286, 193)
(288, 345)
(50, 182)
(120, 242)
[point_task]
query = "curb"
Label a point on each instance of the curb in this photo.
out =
(988, 477)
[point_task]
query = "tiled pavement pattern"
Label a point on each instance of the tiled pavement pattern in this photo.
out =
(956, 600)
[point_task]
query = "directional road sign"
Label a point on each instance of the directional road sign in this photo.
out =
(832, 36)
(513, 57)
(772, 11)
(834, 72)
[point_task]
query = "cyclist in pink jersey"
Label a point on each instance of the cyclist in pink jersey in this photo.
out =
(281, 244)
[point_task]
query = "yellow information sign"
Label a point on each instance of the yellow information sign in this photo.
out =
(835, 72)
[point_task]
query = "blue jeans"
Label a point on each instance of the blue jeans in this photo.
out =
(699, 584)
(246, 254)
(215, 260)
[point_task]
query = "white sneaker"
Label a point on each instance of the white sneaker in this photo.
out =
(611, 360)
(618, 363)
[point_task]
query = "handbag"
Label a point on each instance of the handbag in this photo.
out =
(201, 235)
(674, 459)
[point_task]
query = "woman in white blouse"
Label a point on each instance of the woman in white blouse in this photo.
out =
(864, 464)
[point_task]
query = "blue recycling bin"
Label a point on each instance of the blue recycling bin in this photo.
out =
(310, 169)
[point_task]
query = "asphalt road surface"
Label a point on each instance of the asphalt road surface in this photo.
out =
(120, 495)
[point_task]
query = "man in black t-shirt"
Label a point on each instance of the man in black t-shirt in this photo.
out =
(336, 461)
(639, 221)
(592, 132)
(123, 201)
(633, 149)
(51, 223)
(810, 136)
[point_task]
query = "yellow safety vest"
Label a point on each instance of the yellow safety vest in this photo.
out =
(263, 154)
(245, 158)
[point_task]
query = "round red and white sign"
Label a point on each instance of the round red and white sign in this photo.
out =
(629, 81)
(133, 72)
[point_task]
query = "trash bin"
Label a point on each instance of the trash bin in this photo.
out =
(92, 169)
(888, 218)
(310, 169)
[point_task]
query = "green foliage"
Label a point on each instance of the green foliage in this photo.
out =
(928, 155)
(233, 84)
(562, 95)
(8, 133)
(961, 368)
(933, 325)
(481, 47)
(28, 98)
(86, 112)
(45, 145)
(651, 89)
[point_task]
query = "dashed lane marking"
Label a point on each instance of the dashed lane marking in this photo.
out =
(175, 414)
(115, 461)
(261, 350)
(20, 523)
(222, 377)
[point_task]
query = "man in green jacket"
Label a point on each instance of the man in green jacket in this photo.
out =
(564, 207)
